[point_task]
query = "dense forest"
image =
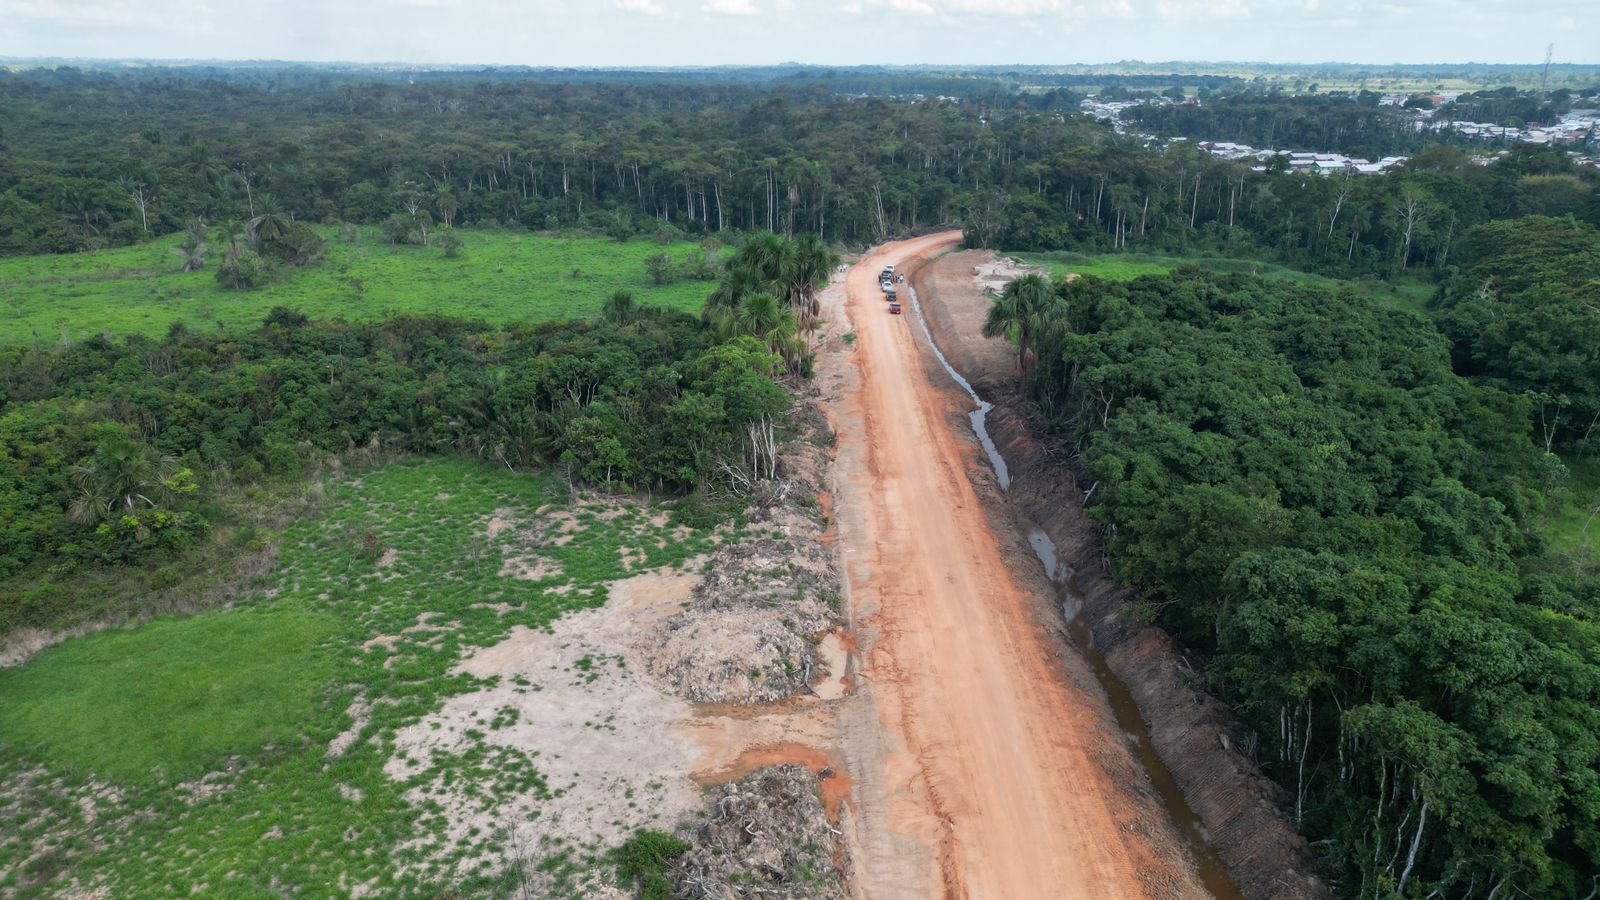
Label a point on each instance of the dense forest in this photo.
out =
(1340, 505)
(118, 452)
(82, 170)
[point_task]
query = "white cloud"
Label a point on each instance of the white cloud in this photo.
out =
(648, 7)
(1180, 10)
(730, 7)
(75, 13)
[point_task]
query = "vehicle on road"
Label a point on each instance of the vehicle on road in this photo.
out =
(894, 309)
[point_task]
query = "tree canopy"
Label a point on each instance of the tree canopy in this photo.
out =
(1305, 491)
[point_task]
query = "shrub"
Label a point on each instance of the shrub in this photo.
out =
(242, 270)
(646, 858)
(660, 268)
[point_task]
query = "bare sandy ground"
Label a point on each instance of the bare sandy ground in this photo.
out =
(982, 768)
(989, 363)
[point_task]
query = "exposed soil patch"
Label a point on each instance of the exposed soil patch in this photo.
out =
(360, 712)
(602, 736)
(835, 651)
(993, 272)
(529, 568)
(955, 302)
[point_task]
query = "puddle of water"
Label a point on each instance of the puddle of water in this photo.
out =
(1045, 549)
(837, 682)
(1213, 874)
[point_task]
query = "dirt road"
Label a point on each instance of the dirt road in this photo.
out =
(990, 771)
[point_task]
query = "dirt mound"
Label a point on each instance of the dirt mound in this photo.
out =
(768, 835)
(751, 629)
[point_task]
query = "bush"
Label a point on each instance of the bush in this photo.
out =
(163, 578)
(448, 241)
(660, 268)
(646, 858)
(300, 245)
(242, 270)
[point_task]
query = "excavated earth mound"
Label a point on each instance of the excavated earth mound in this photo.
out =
(767, 835)
(750, 630)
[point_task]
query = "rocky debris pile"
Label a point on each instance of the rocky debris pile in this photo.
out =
(750, 631)
(994, 275)
(768, 835)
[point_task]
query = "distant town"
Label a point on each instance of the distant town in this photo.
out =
(1578, 130)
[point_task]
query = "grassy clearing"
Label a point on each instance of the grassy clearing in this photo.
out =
(1574, 527)
(1410, 294)
(192, 754)
(173, 696)
(501, 276)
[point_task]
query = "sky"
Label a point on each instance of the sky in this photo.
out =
(827, 32)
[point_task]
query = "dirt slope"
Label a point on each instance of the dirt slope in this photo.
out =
(989, 769)
(1193, 733)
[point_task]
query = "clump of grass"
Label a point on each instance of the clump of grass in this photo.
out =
(645, 860)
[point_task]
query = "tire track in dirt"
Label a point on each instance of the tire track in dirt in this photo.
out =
(983, 769)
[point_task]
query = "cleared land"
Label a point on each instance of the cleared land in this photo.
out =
(996, 765)
(1405, 294)
(1574, 524)
(500, 276)
(421, 697)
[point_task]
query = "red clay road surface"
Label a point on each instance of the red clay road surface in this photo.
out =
(992, 781)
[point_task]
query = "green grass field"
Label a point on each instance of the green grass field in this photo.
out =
(1573, 526)
(192, 754)
(501, 276)
(1409, 294)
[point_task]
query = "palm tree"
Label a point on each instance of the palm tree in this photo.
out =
(1023, 311)
(760, 314)
(740, 282)
(193, 248)
(620, 309)
(122, 476)
(764, 254)
(269, 226)
(806, 267)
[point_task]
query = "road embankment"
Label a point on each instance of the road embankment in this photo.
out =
(1194, 734)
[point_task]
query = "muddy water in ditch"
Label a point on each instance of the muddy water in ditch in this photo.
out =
(1213, 874)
